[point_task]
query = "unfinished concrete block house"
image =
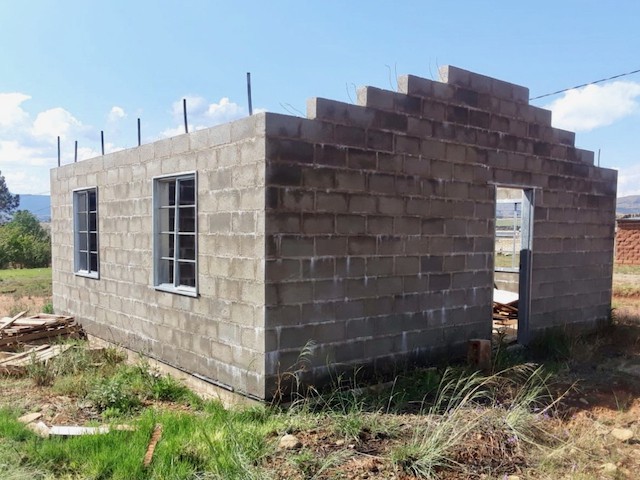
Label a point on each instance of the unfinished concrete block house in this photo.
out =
(366, 229)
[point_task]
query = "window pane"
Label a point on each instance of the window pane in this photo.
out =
(93, 260)
(82, 222)
(93, 242)
(82, 261)
(81, 202)
(187, 247)
(167, 219)
(187, 272)
(165, 271)
(92, 200)
(171, 193)
(166, 193)
(93, 222)
(187, 192)
(166, 245)
(82, 241)
(187, 219)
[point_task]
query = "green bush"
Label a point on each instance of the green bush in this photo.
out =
(24, 243)
(114, 395)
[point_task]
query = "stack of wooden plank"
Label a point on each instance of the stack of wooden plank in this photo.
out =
(16, 332)
(504, 313)
(505, 307)
(17, 363)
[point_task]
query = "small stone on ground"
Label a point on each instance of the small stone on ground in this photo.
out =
(622, 434)
(609, 468)
(30, 417)
(289, 442)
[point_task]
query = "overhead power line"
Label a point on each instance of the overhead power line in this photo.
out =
(585, 84)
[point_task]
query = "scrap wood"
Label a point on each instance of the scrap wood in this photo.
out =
(12, 342)
(30, 417)
(502, 312)
(18, 363)
(35, 328)
(155, 438)
(72, 431)
(39, 428)
(12, 358)
(45, 431)
(41, 355)
(11, 320)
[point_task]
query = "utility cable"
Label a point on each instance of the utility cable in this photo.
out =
(585, 84)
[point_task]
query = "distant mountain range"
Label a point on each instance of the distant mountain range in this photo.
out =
(40, 206)
(628, 204)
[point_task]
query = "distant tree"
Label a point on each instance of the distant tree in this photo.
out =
(8, 201)
(24, 243)
(27, 223)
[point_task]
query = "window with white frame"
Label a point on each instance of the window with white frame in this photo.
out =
(175, 233)
(85, 208)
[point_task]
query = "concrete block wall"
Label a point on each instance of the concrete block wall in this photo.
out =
(366, 229)
(220, 333)
(380, 221)
(628, 242)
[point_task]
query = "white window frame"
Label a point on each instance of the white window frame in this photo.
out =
(159, 282)
(78, 252)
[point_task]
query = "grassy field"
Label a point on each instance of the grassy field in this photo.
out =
(627, 269)
(26, 282)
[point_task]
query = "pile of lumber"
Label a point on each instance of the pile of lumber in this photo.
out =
(17, 363)
(24, 340)
(18, 331)
(503, 312)
(505, 307)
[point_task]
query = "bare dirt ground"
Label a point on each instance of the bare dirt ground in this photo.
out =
(10, 304)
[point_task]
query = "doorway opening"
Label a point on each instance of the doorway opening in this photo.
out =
(512, 264)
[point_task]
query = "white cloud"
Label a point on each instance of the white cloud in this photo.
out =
(28, 139)
(13, 152)
(23, 181)
(11, 112)
(58, 122)
(595, 106)
(28, 145)
(116, 113)
(201, 114)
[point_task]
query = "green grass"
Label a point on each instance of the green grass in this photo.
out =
(26, 282)
(215, 444)
(507, 261)
(627, 269)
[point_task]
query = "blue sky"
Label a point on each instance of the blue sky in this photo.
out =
(73, 68)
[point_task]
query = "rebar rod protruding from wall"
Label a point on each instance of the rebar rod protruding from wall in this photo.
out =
(139, 143)
(249, 93)
(102, 140)
(75, 152)
(184, 110)
(58, 150)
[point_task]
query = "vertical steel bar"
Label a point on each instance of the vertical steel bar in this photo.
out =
(513, 250)
(139, 143)
(58, 150)
(249, 93)
(75, 152)
(184, 110)
(102, 140)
